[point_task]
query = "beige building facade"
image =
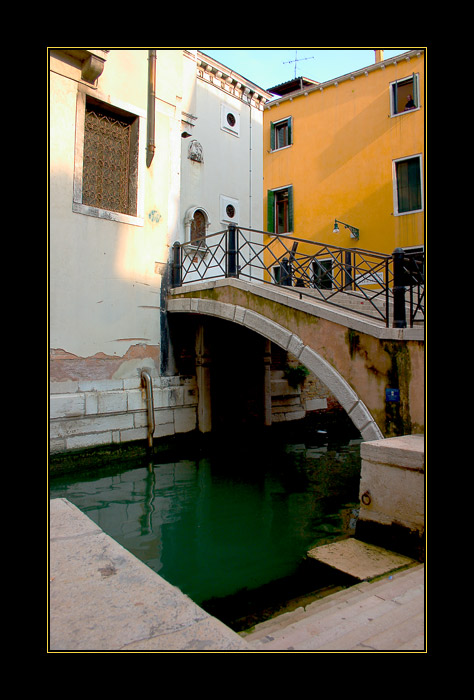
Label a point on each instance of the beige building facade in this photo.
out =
(126, 181)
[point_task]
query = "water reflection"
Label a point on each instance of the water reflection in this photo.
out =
(225, 521)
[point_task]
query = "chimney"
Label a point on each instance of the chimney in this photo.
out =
(378, 55)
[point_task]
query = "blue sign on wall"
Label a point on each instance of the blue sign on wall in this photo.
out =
(392, 395)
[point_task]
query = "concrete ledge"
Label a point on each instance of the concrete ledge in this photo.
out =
(360, 559)
(392, 483)
(405, 452)
(104, 599)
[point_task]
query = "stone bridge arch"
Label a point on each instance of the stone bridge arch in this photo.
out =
(355, 358)
(290, 342)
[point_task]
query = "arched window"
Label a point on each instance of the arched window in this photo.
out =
(198, 225)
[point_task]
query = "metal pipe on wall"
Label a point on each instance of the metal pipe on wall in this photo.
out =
(150, 408)
(150, 148)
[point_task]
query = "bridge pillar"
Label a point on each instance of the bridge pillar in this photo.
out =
(203, 379)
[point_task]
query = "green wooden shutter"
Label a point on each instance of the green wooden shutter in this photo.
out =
(290, 209)
(290, 130)
(272, 136)
(270, 211)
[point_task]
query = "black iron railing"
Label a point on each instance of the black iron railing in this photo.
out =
(368, 283)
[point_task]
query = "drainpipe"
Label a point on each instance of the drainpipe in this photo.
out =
(150, 409)
(150, 148)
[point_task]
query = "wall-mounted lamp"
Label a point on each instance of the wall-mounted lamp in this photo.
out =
(353, 231)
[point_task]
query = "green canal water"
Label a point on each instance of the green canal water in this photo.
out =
(229, 524)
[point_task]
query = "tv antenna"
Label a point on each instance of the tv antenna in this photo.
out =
(297, 60)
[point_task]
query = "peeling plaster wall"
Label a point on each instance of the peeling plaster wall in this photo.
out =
(106, 272)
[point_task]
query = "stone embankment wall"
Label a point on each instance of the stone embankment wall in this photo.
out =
(392, 493)
(86, 414)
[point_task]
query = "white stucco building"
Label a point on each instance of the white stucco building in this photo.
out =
(145, 146)
(222, 159)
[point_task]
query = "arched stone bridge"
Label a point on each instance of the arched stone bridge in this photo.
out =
(356, 358)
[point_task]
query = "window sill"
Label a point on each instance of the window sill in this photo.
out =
(79, 208)
(407, 213)
(193, 249)
(408, 111)
(283, 148)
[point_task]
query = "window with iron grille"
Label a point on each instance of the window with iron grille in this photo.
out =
(110, 160)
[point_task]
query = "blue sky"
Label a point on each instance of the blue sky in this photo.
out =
(268, 67)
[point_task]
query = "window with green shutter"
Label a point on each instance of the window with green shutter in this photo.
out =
(280, 210)
(281, 134)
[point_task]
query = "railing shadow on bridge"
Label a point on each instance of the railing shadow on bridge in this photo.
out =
(389, 288)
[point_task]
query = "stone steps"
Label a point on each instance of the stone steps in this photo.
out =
(385, 615)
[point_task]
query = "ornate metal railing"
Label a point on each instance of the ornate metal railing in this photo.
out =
(368, 283)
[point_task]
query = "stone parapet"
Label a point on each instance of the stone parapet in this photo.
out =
(392, 482)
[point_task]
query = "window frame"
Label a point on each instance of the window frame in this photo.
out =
(272, 209)
(140, 118)
(274, 127)
(415, 78)
(325, 273)
(226, 123)
(396, 204)
(188, 222)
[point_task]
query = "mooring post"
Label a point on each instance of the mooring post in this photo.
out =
(176, 265)
(232, 252)
(399, 310)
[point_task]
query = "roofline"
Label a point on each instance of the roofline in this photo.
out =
(231, 75)
(348, 76)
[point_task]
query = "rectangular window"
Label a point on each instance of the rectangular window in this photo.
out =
(108, 164)
(280, 210)
(281, 134)
(277, 274)
(404, 95)
(110, 161)
(322, 274)
(407, 185)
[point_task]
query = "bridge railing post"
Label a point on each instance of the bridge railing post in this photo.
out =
(286, 273)
(176, 265)
(232, 257)
(399, 309)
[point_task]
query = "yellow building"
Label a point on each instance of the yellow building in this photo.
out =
(350, 149)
